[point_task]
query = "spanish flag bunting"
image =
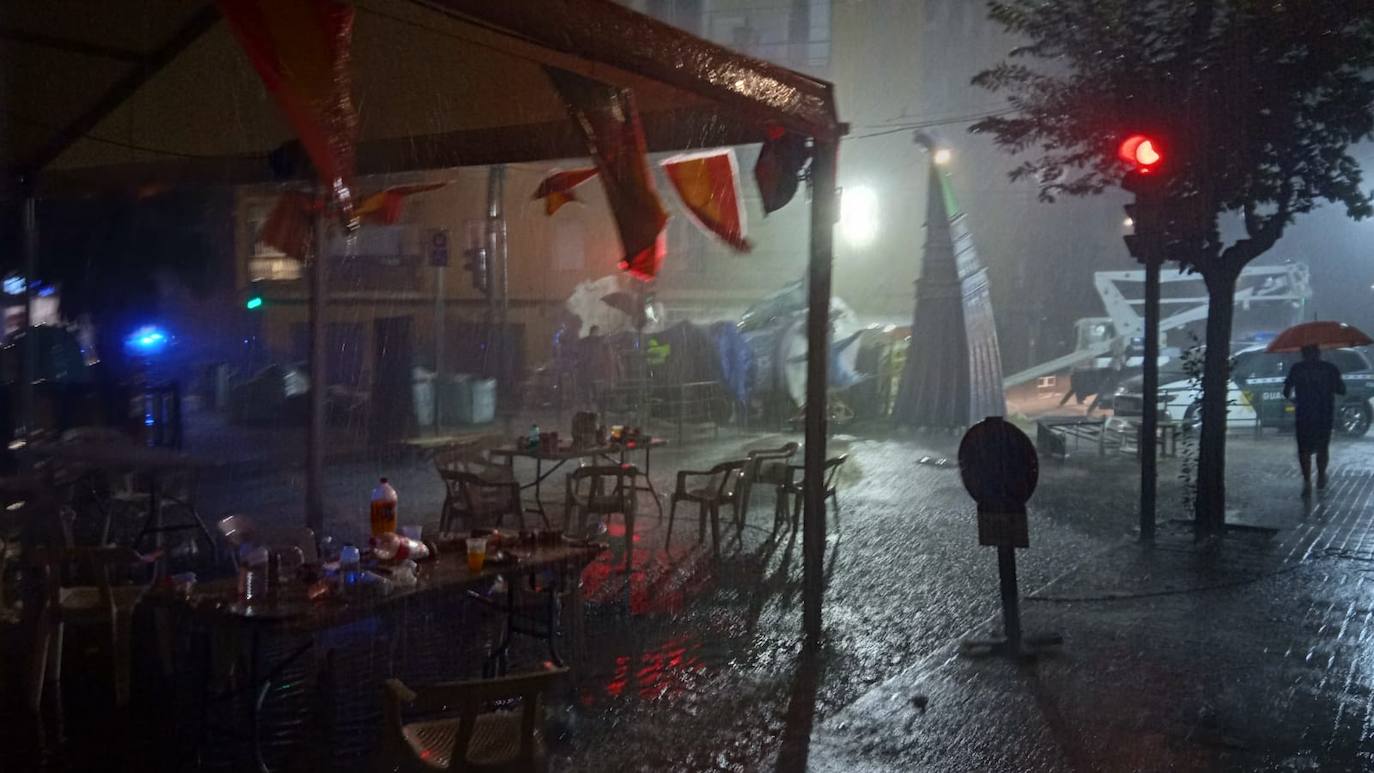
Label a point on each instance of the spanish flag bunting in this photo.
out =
(608, 120)
(779, 167)
(290, 225)
(384, 207)
(557, 189)
(645, 264)
(301, 50)
(708, 184)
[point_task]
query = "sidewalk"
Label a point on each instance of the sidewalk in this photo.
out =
(1248, 654)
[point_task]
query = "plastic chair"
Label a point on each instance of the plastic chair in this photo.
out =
(767, 466)
(484, 501)
(103, 603)
(471, 459)
(474, 737)
(721, 485)
(795, 489)
(600, 499)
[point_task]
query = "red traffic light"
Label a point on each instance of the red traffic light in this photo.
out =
(1140, 151)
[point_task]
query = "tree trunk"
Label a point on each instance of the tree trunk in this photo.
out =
(1209, 505)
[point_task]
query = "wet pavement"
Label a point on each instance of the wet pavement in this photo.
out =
(1245, 653)
(1242, 655)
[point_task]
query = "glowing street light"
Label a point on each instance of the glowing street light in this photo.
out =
(943, 156)
(859, 215)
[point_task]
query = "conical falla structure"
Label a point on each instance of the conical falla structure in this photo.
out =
(953, 372)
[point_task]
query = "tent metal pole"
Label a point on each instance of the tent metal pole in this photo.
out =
(496, 186)
(823, 215)
(30, 364)
(502, 258)
(314, 439)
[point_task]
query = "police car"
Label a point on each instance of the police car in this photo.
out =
(1255, 391)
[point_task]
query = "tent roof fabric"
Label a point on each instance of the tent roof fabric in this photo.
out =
(107, 95)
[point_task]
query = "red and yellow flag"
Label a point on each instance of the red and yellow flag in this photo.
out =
(290, 226)
(608, 120)
(557, 189)
(384, 207)
(708, 184)
(300, 49)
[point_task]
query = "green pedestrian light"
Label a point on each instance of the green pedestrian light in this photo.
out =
(253, 303)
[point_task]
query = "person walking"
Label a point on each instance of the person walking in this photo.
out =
(1312, 386)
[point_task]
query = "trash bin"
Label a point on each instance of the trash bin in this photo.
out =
(422, 386)
(448, 392)
(464, 399)
(480, 405)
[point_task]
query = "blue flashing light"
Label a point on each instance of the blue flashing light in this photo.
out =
(47, 291)
(147, 341)
(14, 285)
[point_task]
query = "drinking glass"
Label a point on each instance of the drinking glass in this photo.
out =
(477, 553)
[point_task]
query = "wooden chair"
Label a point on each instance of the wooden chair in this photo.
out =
(103, 603)
(482, 502)
(475, 737)
(794, 489)
(588, 492)
(710, 489)
(766, 466)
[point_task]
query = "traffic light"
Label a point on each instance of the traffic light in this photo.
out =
(477, 265)
(254, 302)
(1145, 154)
(1142, 152)
(1140, 244)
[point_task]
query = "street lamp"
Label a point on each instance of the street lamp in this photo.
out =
(859, 215)
(943, 156)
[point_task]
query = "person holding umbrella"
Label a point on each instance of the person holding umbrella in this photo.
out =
(1312, 386)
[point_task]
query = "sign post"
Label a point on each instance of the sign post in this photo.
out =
(1000, 469)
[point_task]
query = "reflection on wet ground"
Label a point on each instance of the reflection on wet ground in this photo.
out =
(697, 663)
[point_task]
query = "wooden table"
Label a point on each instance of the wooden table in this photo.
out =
(216, 611)
(615, 452)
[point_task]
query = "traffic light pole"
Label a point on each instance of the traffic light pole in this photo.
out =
(1146, 181)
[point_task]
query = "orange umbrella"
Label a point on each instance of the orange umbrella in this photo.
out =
(1326, 335)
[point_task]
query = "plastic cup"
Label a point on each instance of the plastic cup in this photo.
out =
(413, 532)
(477, 553)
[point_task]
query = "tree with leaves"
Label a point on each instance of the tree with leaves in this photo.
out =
(1257, 105)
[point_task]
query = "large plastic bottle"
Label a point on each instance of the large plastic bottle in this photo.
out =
(383, 509)
(394, 547)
